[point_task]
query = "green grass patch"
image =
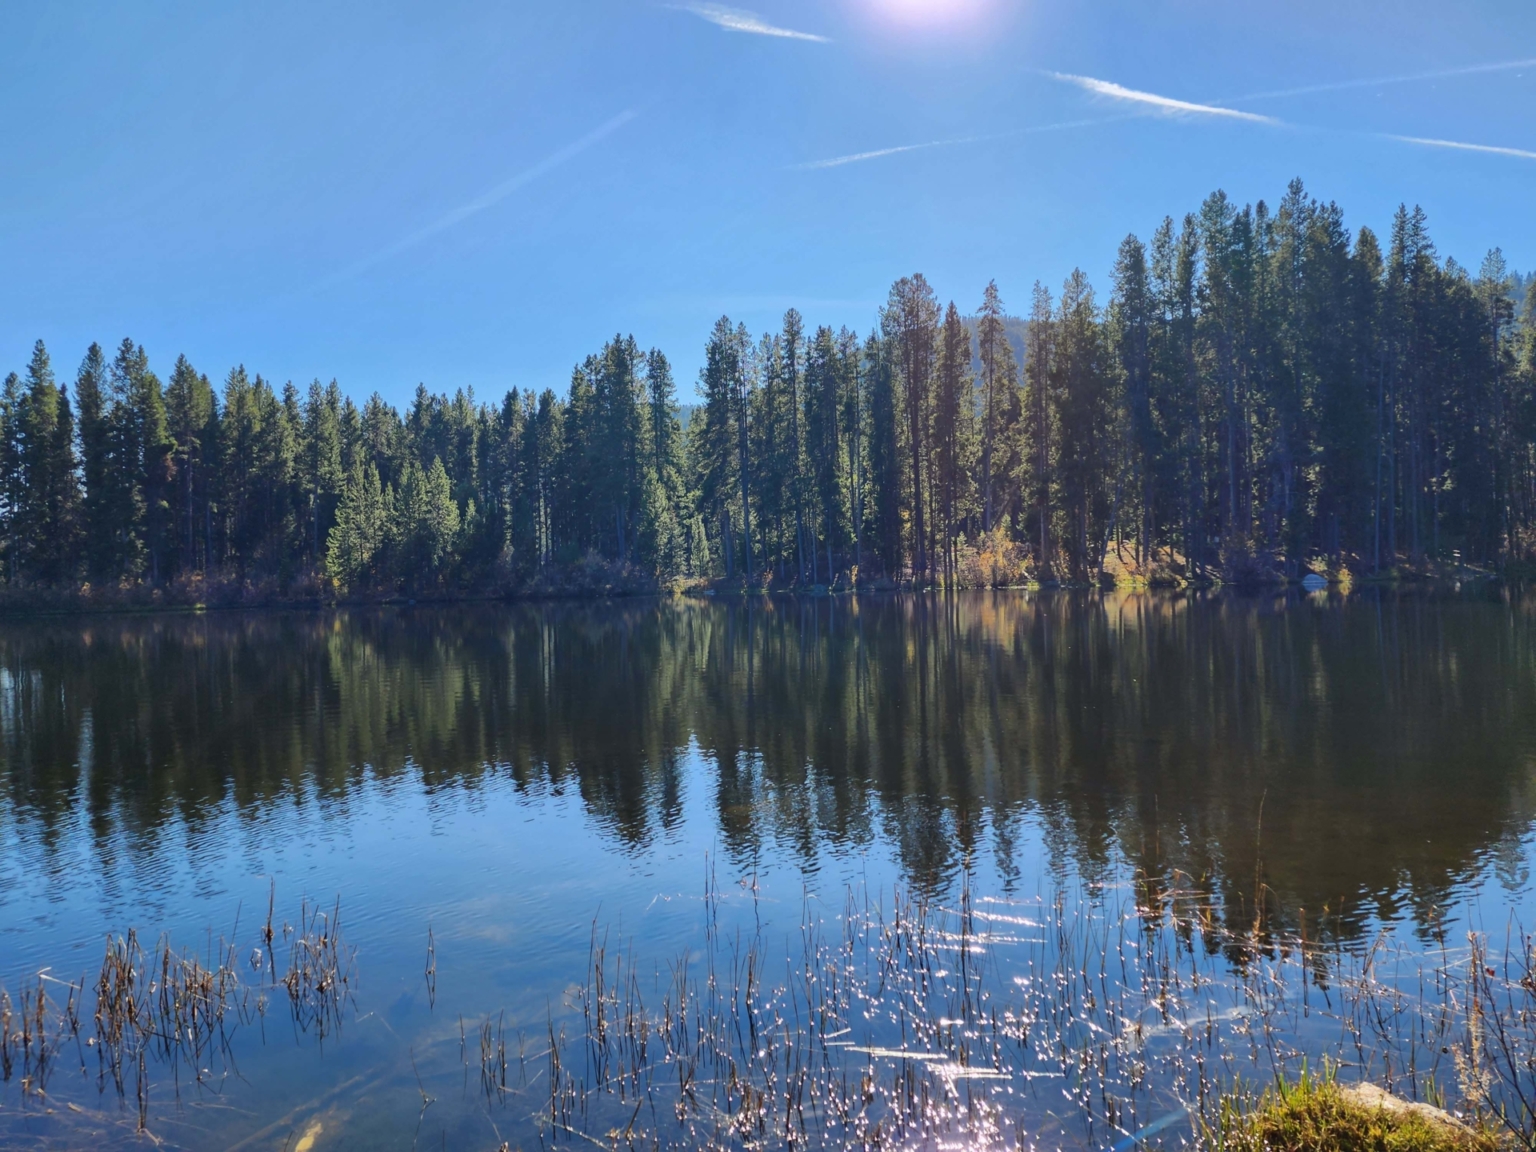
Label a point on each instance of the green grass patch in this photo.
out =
(1317, 1114)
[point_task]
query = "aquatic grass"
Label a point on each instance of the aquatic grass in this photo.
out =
(165, 1007)
(33, 1029)
(1111, 1017)
(1076, 1020)
(321, 975)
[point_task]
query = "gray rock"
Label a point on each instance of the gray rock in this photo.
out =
(1370, 1096)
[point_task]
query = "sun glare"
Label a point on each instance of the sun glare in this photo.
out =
(929, 13)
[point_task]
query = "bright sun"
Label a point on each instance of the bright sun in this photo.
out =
(929, 11)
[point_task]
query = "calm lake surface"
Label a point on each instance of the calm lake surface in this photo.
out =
(487, 790)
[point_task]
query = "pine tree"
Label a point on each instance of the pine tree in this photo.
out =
(614, 447)
(768, 417)
(885, 468)
(421, 523)
(136, 453)
(855, 408)
(383, 439)
(1080, 382)
(47, 513)
(1040, 405)
(824, 447)
(910, 321)
(12, 478)
(287, 513)
(953, 406)
(437, 518)
(659, 539)
(545, 441)
(361, 533)
(720, 444)
(95, 464)
(190, 410)
(665, 431)
(239, 478)
(792, 469)
(1132, 314)
(994, 383)
(320, 463)
(498, 541)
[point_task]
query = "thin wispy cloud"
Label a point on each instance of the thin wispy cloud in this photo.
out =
(1462, 146)
(1167, 105)
(740, 20)
(1377, 82)
(491, 197)
(877, 153)
(856, 157)
(1171, 106)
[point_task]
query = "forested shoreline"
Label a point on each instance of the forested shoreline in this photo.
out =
(1261, 393)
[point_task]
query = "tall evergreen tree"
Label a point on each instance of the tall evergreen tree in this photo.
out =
(48, 507)
(91, 400)
(792, 469)
(824, 448)
(854, 414)
(320, 464)
(1039, 367)
(665, 431)
(139, 452)
(910, 321)
(191, 410)
(1080, 381)
(12, 478)
(953, 408)
(720, 444)
(995, 357)
(361, 532)
(884, 452)
(1133, 317)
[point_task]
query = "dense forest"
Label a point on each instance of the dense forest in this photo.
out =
(1261, 392)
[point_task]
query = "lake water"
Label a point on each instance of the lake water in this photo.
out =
(491, 794)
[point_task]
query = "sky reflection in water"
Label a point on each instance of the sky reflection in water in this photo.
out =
(510, 776)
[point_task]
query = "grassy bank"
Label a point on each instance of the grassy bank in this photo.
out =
(1318, 1114)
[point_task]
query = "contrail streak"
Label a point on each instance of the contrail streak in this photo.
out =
(1342, 85)
(1180, 107)
(1165, 104)
(1461, 146)
(740, 20)
(493, 196)
(856, 157)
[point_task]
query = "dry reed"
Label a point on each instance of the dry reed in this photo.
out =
(171, 1009)
(995, 1022)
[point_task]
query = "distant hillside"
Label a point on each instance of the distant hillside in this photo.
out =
(1017, 330)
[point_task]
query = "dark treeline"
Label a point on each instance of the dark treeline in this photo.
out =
(1261, 391)
(1368, 756)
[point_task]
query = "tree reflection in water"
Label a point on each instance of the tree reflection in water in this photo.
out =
(1342, 758)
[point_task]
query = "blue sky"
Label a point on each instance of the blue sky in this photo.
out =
(479, 194)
